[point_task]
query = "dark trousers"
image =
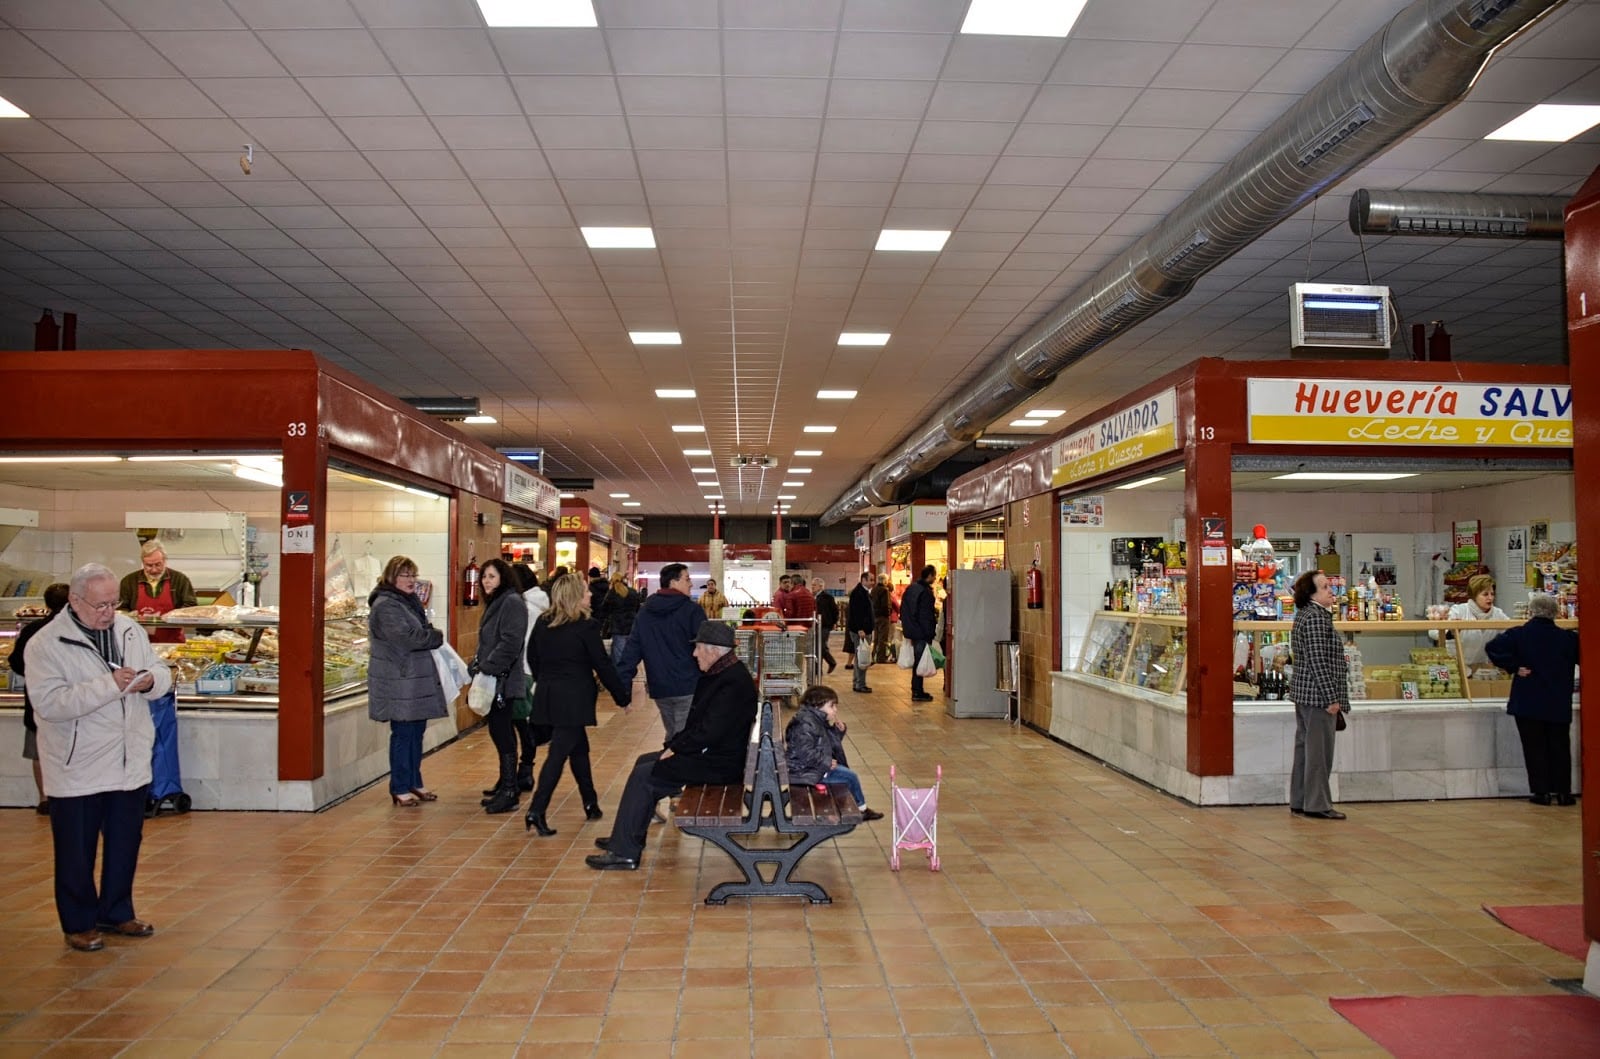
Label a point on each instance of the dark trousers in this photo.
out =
(405, 755)
(568, 744)
(880, 642)
(858, 639)
(918, 648)
(78, 826)
(827, 655)
(502, 729)
(1547, 749)
(644, 789)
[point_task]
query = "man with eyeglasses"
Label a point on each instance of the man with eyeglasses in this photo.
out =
(91, 675)
(149, 593)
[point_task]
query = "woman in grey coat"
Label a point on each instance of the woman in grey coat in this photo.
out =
(501, 633)
(402, 678)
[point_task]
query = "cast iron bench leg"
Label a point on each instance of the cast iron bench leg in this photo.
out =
(784, 860)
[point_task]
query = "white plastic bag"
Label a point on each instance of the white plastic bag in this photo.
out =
(926, 666)
(864, 652)
(453, 675)
(480, 697)
(907, 655)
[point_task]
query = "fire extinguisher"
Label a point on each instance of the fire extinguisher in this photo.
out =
(469, 583)
(1035, 587)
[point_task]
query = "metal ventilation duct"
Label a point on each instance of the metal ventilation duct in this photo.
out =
(1424, 60)
(1457, 215)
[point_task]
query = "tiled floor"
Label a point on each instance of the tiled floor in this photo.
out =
(1077, 913)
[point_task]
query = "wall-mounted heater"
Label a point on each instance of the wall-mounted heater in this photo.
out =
(1338, 316)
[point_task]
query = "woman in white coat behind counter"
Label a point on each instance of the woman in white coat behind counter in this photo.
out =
(1478, 607)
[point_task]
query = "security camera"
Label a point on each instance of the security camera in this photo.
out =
(247, 159)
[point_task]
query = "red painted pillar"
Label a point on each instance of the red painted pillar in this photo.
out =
(1583, 352)
(1209, 420)
(301, 593)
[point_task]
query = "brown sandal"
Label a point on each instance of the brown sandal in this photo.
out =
(423, 794)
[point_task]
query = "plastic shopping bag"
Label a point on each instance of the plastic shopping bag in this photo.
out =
(863, 652)
(480, 697)
(938, 655)
(907, 655)
(453, 675)
(925, 664)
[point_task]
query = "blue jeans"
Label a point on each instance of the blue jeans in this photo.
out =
(848, 777)
(405, 755)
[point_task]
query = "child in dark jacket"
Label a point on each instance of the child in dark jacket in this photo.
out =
(814, 741)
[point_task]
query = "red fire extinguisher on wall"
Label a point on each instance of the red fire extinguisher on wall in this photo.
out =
(469, 583)
(1035, 578)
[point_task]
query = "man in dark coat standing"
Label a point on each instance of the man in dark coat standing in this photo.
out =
(918, 622)
(1541, 657)
(662, 638)
(827, 618)
(859, 623)
(882, 606)
(710, 749)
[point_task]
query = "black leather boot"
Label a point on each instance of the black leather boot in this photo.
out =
(535, 822)
(505, 797)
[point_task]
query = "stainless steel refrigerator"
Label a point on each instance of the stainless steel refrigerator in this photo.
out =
(980, 615)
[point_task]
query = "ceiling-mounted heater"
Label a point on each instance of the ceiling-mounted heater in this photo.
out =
(1338, 316)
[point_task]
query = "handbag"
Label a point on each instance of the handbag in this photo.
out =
(1339, 723)
(481, 696)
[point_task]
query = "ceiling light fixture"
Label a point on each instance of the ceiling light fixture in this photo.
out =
(791, 485)
(674, 393)
(813, 428)
(449, 409)
(1549, 123)
(688, 428)
(480, 420)
(1045, 413)
(702, 470)
(1023, 18)
(713, 496)
(619, 238)
(632, 503)
(656, 338)
(808, 452)
(798, 470)
(60, 459)
(1141, 483)
(836, 395)
(911, 240)
(261, 475)
(192, 457)
(567, 496)
(864, 338)
(619, 496)
(9, 109)
(1028, 422)
(697, 452)
(785, 496)
(549, 14)
(1344, 476)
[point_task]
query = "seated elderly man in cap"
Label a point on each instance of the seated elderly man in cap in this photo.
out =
(710, 748)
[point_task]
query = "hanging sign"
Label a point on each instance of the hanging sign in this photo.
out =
(1131, 435)
(898, 525)
(929, 518)
(1370, 412)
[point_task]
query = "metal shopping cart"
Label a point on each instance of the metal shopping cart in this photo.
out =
(916, 819)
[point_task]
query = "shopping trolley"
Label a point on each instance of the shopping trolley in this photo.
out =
(916, 819)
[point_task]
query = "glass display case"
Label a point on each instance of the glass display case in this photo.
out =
(228, 659)
(1143, 650)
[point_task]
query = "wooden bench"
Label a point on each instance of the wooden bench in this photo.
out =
(801, 816)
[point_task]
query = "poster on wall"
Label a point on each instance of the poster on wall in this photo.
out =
(1083, 512)
(1466, 554)
(1516, 570)
(1214, 550)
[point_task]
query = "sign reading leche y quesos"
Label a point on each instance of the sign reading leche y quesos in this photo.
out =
(1132, 434)
(1363, 412)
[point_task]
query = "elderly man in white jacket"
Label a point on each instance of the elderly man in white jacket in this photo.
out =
(91, 676)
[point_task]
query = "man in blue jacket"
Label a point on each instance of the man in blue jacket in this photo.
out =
(917, 622)
(663, 637)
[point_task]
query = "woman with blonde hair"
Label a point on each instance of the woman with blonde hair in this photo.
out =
(1478, 607)
(617, 613)
(402, 679)
(712, 601)
(565, 656)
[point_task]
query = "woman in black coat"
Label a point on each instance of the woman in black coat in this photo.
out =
(565, 655)
(1541, 656)
(501, 631)
(402, 678)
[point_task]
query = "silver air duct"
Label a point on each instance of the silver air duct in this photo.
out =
(1423, 61)
(1457, 215)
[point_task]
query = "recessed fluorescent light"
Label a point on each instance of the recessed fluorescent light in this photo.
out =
(836, 395)
(631, 503)
(60, 459)
(702, 470)
(1143, 482)
(798, 470)
(688, 428)
(193, 457)
(911, 239)
(791, 485)
(808, 452)
(619, 496)
(864, 338)
(543, 13)
(1344, 476)
(1549, 123)
(697, 452)
(567, 496)
(1023, 18)
(619, 238)
(1028, 422)
(480, 419)
(9, 109)
(1045, 413)
(785, 496)
(674, 393)
(656, 338)
(258, 474)
(713, 496)
(817, 429)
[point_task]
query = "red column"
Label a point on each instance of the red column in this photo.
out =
(300, 607)
(1583, 351)
(1208, 493)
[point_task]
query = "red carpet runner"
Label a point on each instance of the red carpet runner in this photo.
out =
(1558, 926)
(1502, 1027)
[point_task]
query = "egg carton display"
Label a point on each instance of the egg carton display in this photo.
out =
(1355, 672)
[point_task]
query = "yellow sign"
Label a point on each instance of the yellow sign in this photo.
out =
(1408, 430)
(1162, 439)
(1375, 412)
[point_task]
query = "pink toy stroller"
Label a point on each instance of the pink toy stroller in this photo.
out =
(916, 819)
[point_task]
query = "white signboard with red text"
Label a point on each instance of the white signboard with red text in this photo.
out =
(1365, 412)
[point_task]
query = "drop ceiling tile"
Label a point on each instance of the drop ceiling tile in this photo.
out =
(503, 165)
(1111, 63)
(468, 96)
(777, 53)
(1216, 67)
(62, 168)
(382, 135)
(981, 57)
(216, 53)
(326, 165)
(486, 132)
(773, 134)
(106, 136)
(685, 165)
(281, 14)
(361, 96)
(867, 134)
(438, 50)
(878, 98)
(1146, 144)
(561, 94)
(327, 52)
(894, 56)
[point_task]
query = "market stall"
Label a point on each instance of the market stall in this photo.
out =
(1164, 613)
(325, 478)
